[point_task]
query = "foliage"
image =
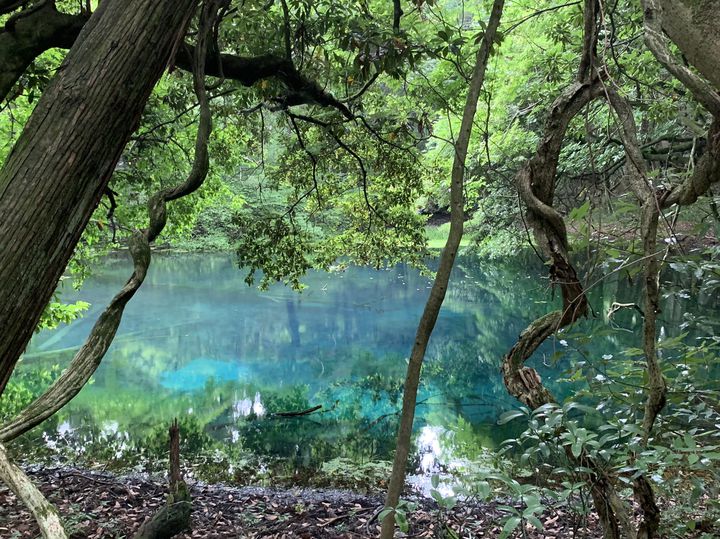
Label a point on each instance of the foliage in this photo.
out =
(25, 388)
(347, 473)
(57, 313)
(401, 512)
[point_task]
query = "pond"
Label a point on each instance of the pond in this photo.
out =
(198, 344)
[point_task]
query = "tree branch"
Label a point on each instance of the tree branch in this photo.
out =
(8, 6)
(249, 70)
(397, 13)
(658, 45)
(47, 28)
(32, 35)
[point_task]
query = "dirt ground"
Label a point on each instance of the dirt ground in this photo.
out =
(99, 505)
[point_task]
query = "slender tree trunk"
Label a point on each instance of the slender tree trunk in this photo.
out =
(55, 175)
(173, 517)
(439, 288)
(45, 514)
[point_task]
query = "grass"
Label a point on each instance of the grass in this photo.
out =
(437, 236)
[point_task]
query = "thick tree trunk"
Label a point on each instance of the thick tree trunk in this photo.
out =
(54, 177)
(439, 288)
(694, 26)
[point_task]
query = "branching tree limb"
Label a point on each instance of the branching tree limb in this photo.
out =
(47, 28)
(636, 174)
(535, 183)
(32, 35)
(706, 173)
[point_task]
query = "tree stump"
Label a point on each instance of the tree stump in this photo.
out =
(174, 516)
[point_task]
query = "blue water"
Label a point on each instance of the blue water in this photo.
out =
(197, 342)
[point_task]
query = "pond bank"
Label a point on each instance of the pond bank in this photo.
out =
(99, 505)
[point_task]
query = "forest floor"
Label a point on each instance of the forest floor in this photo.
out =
(99, 505)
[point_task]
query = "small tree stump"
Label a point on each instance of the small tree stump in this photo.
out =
(174, 516)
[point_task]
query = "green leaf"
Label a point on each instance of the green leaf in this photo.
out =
(509, 527)
(535, 521)
(402, 522)
(509, 416)
(576, 214)
(576, 448)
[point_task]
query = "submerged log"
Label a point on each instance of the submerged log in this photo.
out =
(298, 413)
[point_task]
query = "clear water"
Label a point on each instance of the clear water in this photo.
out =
(199, 344)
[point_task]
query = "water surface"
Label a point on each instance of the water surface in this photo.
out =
(199, 344)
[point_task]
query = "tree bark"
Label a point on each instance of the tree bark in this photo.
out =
(694, 26)
(636, 173)
(56, 173)
(173, 517)
(439, 288)
(88, 358)
(536, 182)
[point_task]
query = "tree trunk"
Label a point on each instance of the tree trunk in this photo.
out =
(173, 517)
(694, 27)
(45, 514)
(447, 259)
(55, 175)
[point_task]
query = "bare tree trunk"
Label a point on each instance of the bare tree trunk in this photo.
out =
(439, 288)
(56, 173)
(45, 514)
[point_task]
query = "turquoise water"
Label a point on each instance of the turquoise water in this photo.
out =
(199, 344)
